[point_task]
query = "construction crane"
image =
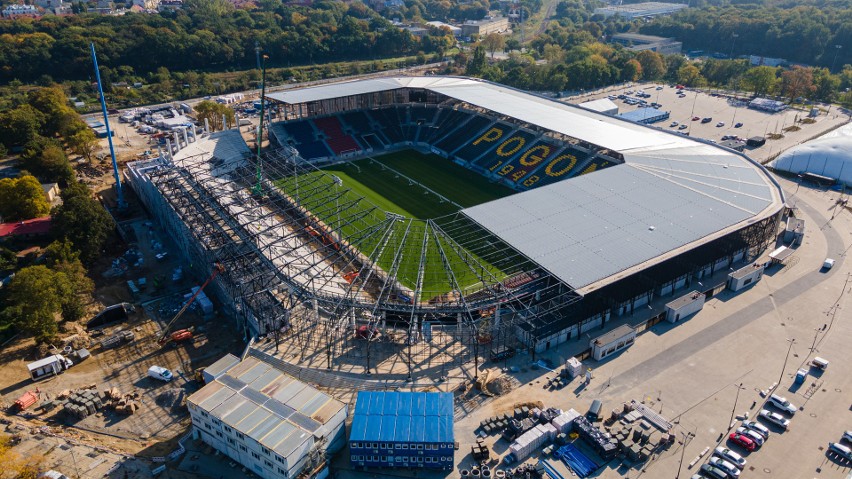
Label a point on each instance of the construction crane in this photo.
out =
(182, 334)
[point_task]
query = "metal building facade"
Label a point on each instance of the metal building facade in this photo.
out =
(402, 429)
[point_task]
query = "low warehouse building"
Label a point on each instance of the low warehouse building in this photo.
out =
(273, 424)
(402, 429)
(745, 276)
(613, 341)
(684, 306)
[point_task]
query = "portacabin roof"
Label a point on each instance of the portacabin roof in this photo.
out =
(248, 397)
(671, 194)
(403, 417)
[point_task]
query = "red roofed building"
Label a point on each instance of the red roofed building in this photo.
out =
(26, 228)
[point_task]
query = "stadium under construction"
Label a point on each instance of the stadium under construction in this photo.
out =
(596, 217)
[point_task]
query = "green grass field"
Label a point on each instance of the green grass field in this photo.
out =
(382, 182)
(392, 192)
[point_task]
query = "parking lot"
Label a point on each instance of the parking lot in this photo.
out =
(711, 368)
(694, 103)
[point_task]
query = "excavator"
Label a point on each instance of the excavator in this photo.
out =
(186, 334)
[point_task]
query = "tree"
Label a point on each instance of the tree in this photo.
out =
(212, 112)
(761, 80)
(46, 159)
(653, 65)
(22, 199)
(61, 257)
(83, 221)
(631, 71)
(689, 75)
(36, 295)
(493, 42)
(83, 142)
(20, 125)
(477, 64)
(797, 82)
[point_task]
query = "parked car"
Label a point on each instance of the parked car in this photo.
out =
(774, 418)
(841, 450)
(724, 465)
(706, 120)
(720, 124)
(782, 403)
(847, 436)
(730, 456)
(758, 428)
(160, 373)
(659, 88)
(738, 125)
(673, 124)
(695, 118)
(753, 435)
(710, 471)
(683, 127)
(743, 441)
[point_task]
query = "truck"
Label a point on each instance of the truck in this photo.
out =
(49, 366)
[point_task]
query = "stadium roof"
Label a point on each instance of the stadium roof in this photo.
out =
(672, 194)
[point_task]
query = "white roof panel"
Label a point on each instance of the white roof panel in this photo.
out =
(596, 228)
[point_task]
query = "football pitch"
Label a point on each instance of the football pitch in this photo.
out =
(417, 187)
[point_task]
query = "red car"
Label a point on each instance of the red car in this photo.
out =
(743, 441)
(695, 118)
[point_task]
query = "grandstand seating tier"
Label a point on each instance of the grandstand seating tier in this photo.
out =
(337, 139)
(463, 132)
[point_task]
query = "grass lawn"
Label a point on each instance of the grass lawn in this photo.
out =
(382, 181)
(393, 193)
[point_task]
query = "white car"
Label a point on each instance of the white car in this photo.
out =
(752, 434)
(782, 403)
(730, 456)
(840, 450)
(724, 465)
(774, 418)
(160, 373)
(758, 428)
(720, 124)
(673, 124)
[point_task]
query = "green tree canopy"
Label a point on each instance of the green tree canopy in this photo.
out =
(34, 298)
(83, 221)
(20, 125)
(213, 112)
(761, 80)
(22, 199)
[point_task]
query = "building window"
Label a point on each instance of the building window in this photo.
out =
(255, 455)
(405, 446)
(265, 450)
(203, 413)
(218, 434)
(243, 448)
(282, 472)
(239, 435)
(420, 447)
(268, 464)
(217, 422)
(355, 445)
(228, 429)
(232, 442)
(397, 446)
(208, 426)
(398, 459)
(384, 459)
(279, 459)
(375, 445)
(404, 458)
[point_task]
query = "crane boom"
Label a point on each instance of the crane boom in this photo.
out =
(217, 268)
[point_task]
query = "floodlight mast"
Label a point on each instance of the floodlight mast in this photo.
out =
(121, 203)
(258, 186)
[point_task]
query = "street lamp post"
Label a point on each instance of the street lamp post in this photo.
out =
(736, 400)
(733, 39)
(784, 368)
(687, 438)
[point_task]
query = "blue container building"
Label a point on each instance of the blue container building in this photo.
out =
(402, 429)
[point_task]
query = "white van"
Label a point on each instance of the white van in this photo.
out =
(828, 264)
(160, 373)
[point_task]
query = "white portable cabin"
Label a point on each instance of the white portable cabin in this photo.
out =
(48, 366)
(684, 306)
